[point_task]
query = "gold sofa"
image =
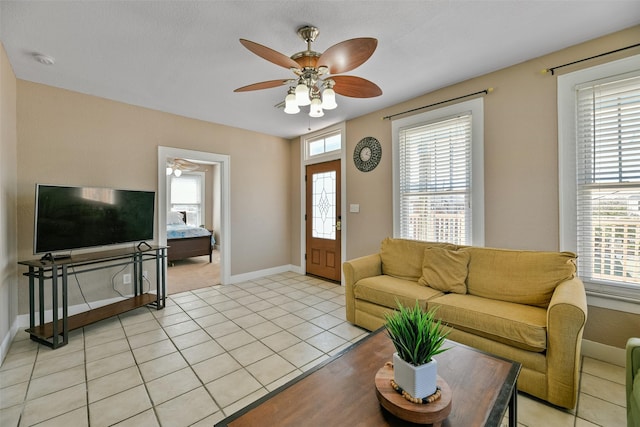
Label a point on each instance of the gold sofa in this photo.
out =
(526, 306)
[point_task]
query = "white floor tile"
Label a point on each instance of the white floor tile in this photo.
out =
(212, 351)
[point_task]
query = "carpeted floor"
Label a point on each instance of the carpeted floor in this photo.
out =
(193, 273)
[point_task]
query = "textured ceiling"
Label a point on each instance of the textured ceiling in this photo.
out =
(184, 57)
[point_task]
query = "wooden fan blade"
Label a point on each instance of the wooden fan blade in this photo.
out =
(270, 54)
(347, 55)
(355, 87)
(262, 85)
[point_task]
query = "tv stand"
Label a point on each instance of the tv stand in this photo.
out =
(52, 257)
(143, 245)
(55, 334)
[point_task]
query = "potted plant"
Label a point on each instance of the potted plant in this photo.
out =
(417, 336)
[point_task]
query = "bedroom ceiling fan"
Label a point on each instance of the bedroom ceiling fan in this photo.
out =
(177, 166)
(315, 83)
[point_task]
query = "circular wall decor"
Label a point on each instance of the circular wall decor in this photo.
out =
(367, 154)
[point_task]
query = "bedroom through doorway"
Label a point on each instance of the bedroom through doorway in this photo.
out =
(191, 198)
(193, 273)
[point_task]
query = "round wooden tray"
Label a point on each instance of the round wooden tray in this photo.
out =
(392, 401)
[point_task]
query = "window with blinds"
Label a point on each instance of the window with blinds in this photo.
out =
(435, 180)
(186, 193)
(608, 180)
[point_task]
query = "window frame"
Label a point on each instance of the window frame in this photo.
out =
(323, 135)
(202, 203)
(601, 293)
(476, 108)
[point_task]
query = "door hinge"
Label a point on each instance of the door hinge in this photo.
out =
(305, 217)
(305, 257)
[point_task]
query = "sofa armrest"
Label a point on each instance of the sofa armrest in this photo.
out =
(632, 383)
(354, 270)
(566, 318)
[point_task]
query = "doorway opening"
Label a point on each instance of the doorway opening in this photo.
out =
(322, 247)
(197, 270)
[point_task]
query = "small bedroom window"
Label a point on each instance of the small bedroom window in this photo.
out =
(186, 193)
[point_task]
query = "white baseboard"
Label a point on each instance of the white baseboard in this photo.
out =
(8, 339)
(606, 353)
(239, 278)
(297, 269)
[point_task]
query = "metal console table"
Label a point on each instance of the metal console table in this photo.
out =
(55, 334)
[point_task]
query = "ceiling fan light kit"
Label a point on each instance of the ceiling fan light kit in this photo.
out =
(177, 166)
(313, 86)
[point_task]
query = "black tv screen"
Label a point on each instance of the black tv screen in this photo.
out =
(81, 217)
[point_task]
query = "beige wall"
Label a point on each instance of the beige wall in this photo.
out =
(8, 178)
(69, 138)
(521, 164)
(611, 327)
(296, 200)
(520, 152)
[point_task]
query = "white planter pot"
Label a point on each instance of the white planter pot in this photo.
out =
(418, 381)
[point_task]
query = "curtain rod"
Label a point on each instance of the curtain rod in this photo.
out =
(485, 91)
(553, 69)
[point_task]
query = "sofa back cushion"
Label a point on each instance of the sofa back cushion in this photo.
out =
(525, 277)
(402, 258)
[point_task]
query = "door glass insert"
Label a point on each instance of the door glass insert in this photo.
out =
(324, 205)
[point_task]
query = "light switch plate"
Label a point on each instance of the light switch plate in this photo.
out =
(354, 208)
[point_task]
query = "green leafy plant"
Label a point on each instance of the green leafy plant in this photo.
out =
(416, 334)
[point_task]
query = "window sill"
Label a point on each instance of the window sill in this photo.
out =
(613, 302)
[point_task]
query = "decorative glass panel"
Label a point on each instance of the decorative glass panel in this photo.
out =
(324, 205)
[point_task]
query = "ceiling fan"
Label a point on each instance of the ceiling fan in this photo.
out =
(177, 166)
(315, 83)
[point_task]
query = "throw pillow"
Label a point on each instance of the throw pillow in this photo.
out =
(445, 270)
(174, 218)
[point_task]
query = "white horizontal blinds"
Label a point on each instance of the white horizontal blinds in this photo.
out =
(186, 195)
(186, 189)
(608, 180)
(435, 181)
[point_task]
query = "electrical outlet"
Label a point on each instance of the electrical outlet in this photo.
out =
(126, 279)
(145, 274)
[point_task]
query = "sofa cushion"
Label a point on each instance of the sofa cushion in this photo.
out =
(445, 270)
(387, 291)
(518, 325)
(402, 258)
(525, 277)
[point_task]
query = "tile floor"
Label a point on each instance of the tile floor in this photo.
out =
(214, 350)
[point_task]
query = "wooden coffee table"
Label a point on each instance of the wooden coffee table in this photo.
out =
(342, 391)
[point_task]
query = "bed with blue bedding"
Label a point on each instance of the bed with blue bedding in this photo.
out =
(186, 241)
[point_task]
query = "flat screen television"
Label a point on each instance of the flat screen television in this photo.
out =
(69, 218)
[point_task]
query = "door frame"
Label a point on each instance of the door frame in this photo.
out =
(343, 190)
(224, 161)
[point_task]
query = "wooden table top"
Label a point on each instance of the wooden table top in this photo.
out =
(342, 391)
